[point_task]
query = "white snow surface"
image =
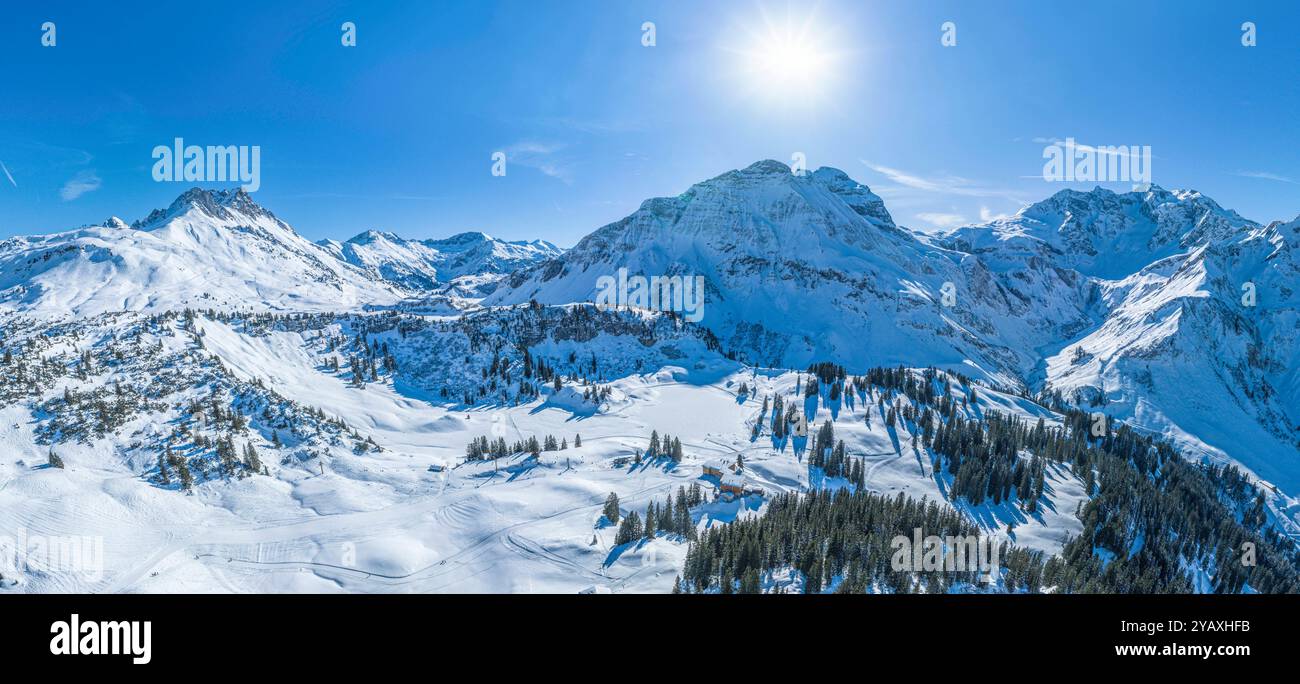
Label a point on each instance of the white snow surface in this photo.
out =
(386, 522)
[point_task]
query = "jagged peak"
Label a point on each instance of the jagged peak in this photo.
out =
(767, 167)
(764, 168)
(466, 237)
(373, 235)
(235, 198)
(227, 204)
(1149, 196)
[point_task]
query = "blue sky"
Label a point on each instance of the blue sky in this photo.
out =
(398, 132)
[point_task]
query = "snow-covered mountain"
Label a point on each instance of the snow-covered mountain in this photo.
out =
(220, 249)
(1127, 303)
(471, 263)
(1198, 337)
(1102, 233)
(209, 249)
(802, 268)
(1202, 346)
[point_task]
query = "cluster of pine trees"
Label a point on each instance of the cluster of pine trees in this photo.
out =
(506, 337)
(497, 362)
(215, 435)
(672, 517)
(94, 413)
(784, 416)
(667, 447)
(834, 460)
(828, 536)
(366, 360)
(206, 443)
(482, 449)
(828, 373)
(596, 394)
(985, 460)
(24, 371)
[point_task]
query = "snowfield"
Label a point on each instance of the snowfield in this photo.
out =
(417, 518)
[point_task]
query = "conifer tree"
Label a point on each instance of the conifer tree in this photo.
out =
(611, 508)
(650, 519)
(629, 531)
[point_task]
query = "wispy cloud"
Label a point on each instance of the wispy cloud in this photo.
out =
(946, 185)
(8, 175)
(80, 184)
(1104, 150)
(1266, 176)
(543, 156)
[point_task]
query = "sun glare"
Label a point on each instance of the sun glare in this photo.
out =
(787, 59)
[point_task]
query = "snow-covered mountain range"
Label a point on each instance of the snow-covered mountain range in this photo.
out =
(1130, 303)
(219, 249)
(799, 269)
(363, 370)
(470, 263)
(1198, 336)
(208, 249)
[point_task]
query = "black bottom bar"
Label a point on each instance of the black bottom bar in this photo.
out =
(305, 633)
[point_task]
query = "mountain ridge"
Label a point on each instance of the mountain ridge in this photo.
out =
(1139, 287)
(470, 261)
(1109, 299)
(302, 400)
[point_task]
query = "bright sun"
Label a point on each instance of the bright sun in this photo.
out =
(788, 59)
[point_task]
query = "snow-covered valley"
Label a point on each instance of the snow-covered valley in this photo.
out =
(416, 517)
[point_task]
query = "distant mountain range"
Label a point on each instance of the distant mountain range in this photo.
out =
(218, 248)
(468, 261)
(1159, 307)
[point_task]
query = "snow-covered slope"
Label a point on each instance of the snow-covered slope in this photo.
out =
(1127, 303)
(1197, 338)
(1101, 233)
(472, 263)
(1204, 347)
(412, 515)
(209, 249)
(801, 268)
